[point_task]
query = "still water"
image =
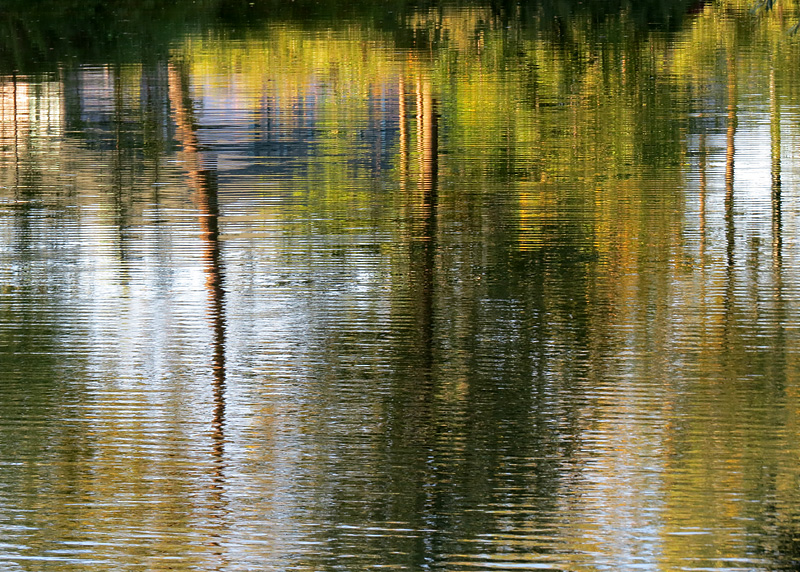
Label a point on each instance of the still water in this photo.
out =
(454, 287)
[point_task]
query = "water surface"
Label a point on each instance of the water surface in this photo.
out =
(449, 287)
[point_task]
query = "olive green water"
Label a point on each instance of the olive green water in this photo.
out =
(345, 287)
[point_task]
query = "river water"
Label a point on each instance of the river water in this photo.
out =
(455, 287)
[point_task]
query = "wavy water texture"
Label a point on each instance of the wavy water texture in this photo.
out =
(426, 287)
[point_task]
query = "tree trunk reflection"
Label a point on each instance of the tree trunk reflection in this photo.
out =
(775, 141)
(428, 149)
(204, 182)
(730, 228)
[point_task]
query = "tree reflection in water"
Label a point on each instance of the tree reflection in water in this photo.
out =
(509, 319)
(203, 180)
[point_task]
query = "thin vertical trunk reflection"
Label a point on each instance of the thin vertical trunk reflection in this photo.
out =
(730, 152)
(775, 171)
(703, 153)
(428, 149)
(730, 229)
(778, 358)
(401, 101)
(412, 426)
(16, 132)
(204, 182)
(117, 167)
